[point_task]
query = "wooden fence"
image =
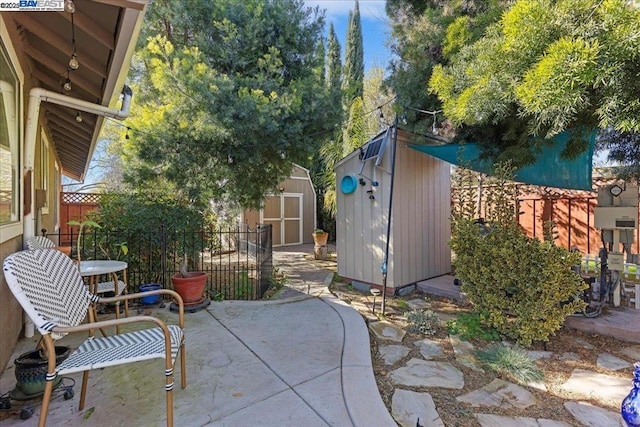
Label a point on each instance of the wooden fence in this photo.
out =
(74, 206)
(573, 218)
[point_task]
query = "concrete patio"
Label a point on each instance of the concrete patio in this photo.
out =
(295, 361)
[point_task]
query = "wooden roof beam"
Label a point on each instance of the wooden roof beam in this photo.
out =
(31, 25)
(92, 28)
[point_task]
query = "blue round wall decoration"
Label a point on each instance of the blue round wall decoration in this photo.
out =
(348, 184)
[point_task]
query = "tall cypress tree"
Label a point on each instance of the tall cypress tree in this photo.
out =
(320, 56)
(352, 84)
(334, 62)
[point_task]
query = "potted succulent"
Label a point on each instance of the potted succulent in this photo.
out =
(189, 284)
(320, 237)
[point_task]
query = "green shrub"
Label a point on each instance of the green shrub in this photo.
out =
(423, 322)
(470, 325)
(511, 362)
(524, 287)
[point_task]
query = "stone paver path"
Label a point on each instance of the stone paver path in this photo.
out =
(387, 331)
(392, 354)
(425, 373)
(465, 353)
(488, 420)
(594, 385)
(499, 393)
(429, 349)
(409, 408)
(593, 416)
(609, 361)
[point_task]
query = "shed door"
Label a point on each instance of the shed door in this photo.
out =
(284, 213)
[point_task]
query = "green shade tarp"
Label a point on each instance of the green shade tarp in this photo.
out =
(549, 169)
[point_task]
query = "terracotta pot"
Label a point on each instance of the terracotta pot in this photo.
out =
(191, 288)
(64, 249)
(320, 239)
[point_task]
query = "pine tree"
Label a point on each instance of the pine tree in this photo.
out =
(352, 83)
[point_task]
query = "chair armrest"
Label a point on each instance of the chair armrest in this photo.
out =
(174, 294)
(143, 294)
(111, 322)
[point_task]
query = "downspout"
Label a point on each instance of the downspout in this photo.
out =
(384, 266)
(36, 97)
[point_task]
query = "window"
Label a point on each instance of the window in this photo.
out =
(9, 144)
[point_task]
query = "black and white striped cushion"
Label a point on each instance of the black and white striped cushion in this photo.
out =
(121, 348)
(104, 287)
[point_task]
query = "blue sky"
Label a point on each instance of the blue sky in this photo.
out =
(375, 29)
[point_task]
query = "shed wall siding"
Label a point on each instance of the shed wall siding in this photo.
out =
(298, 183)
(420, 229)
(361, 223)
(421, 218)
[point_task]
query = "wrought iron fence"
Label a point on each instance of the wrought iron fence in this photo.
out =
(238, 261)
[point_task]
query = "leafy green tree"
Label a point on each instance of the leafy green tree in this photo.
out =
(544, 68)
(228, 92)
(355, 132)
(422, 38)
(352, 83)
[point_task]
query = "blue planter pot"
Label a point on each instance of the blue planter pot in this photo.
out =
(151, 299)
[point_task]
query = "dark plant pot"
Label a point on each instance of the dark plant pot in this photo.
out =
(191, 288)
(151, 299)
(31, 370)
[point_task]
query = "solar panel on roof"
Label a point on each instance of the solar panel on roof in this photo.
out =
(375, 148)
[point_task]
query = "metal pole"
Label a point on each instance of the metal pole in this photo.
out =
(386, 251)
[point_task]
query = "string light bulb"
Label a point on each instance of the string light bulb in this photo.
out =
(67, 85)
(73, 62)
(283, 154)
(79, 117)
(229, 159)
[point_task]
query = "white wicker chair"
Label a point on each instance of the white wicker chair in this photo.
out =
(40, 242)
(102, 288)
(49, 288)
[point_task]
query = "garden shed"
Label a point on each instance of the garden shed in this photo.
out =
(291, 212)
(388, 192)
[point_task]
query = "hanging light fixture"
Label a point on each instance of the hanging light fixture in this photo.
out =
(79, 117)
(67, 84)
(69, 6)
(73, 62)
